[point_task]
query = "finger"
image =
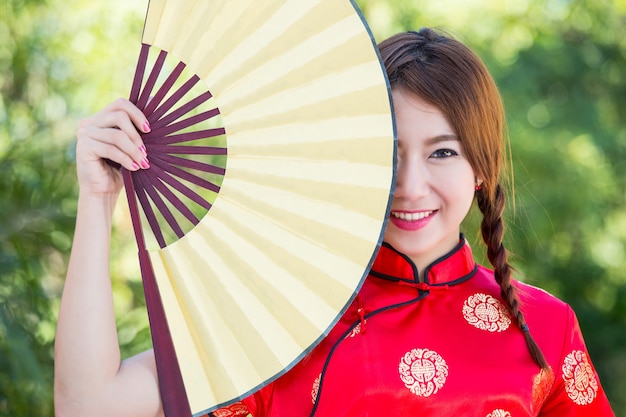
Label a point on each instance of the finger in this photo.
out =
(119, 139)
(135, 114)
(104, 150)
(116, 138)
(125, 115)
(119, 120)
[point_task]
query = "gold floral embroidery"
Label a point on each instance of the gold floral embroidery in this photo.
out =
(234, 410)
(581, 384)
(356, 330)
(486, 313)
(499, 413)
(423, 371)
(542, 384)
(316, 388)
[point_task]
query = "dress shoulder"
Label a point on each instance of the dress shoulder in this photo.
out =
(575, 387)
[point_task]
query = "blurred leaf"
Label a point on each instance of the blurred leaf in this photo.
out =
(561, 67)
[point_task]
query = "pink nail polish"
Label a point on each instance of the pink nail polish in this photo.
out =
(135, 166)
(146, 126)
(145, 164)
(143, 150)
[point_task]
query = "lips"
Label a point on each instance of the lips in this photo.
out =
(411, 220)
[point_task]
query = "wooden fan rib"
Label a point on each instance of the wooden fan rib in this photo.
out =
(296, 98)
(160, 119)
(177, 15)
(217, 35)
(189, 360)
(194, 35)
(168, 173)
(300, 210)
(156, 174)
(331, 172)
(211, 300)
(308, 272)
(354, 111)
(164, 210)
(149, 181)
(153, 21)
(222, 29)
(325, 132)
(314, 55)
(273, 281)
(188, 150)
(335, 267)
(283, 74)
(322, 231)
(256, 40)
(147, 209)
(354, 198)
(239, 299)
(192, 164)
(151, 81)
(139, 73)
(160, 141)
(196, 180)
(172, 100)
(171, 385)
(164, 89)
(228, 291)
(159, 133)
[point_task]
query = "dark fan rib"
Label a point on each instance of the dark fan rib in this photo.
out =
(159, 190)
(183, 109)
(139, 71)
(163, 208)
(155, 176)
(192, 164)
(165, 88)
(147, 208)
(172, 100)
(162, 143)
(189, 150)
(151, 81)
(183, 124)
(168, 174)
(172, 389)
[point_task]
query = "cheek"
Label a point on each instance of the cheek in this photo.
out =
(458, 186)
(458, 177)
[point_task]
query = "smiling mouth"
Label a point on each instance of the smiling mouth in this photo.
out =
(411, 216)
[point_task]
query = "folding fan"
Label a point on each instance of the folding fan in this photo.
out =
(272, 164)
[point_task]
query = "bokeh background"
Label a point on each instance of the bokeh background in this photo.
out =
(561, 67)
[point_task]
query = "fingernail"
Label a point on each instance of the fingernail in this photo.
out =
(135, 166)
(143, 150)
(145, 164)
(146, 126)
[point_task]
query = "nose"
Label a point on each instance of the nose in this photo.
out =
(411, 180)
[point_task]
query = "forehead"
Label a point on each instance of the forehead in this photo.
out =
(418, 120)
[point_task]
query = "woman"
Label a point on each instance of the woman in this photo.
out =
(430, 332)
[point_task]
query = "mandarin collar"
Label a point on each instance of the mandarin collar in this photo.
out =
(453, 268)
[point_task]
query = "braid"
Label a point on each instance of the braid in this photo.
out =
(492, 228)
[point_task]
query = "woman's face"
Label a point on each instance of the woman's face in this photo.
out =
(435, 182)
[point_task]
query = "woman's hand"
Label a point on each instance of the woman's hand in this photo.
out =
(110, 134)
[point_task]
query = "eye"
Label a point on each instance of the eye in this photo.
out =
(444, 153)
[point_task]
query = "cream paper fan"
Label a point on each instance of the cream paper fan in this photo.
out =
(277, 190)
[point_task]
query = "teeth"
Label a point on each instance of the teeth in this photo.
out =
(411, 216)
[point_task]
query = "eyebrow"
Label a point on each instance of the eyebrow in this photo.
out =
(441, 138)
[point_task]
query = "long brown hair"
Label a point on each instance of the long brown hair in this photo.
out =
(448, 75)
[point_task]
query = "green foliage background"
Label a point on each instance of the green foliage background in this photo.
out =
(561, 67)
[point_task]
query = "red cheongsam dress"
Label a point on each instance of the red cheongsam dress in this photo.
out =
(445, 347)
